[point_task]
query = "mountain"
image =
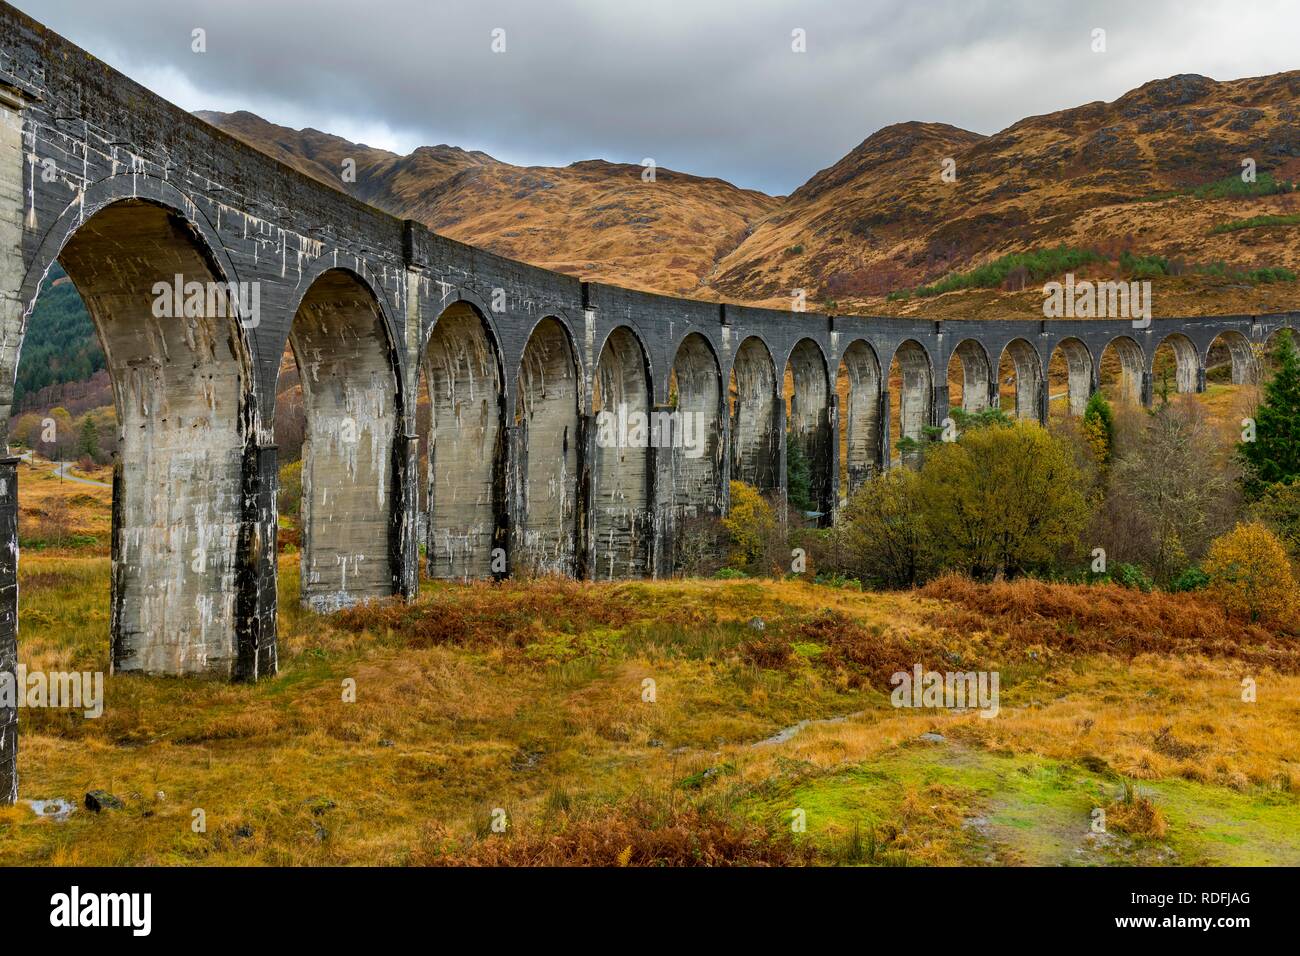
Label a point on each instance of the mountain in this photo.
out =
(1154, 176)
(596, 219)
(1153, 172)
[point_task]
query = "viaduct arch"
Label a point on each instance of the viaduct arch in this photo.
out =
(131, 192)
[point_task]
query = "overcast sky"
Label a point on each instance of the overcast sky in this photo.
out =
(710, 87)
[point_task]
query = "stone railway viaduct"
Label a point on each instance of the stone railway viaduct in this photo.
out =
(126, 191)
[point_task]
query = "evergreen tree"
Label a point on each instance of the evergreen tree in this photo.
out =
(798, 476)
(1274, 455)
(1099, 427)
(88, 446)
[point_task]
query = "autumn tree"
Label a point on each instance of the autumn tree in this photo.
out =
(1171, 490)
(1250, 575)
(750, 524)
(879, 535)
(1002, 500)
(1099, 428)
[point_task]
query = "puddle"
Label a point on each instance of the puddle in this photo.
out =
(56, 810)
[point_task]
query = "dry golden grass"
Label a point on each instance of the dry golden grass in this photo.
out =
(61, 515)
(528, 696)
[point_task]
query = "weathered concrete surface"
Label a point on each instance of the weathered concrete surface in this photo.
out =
(808, 417)
(858, 390)
(129, 190)
(1134, 377)
(1026, 368)
(621, 524)
(178, 394)
(916, 397)
(348, 368)
(978, 389)
(755, 405)
(466, 447)
(546, 443)
(690, 481)
(1186, 362)
(9, 627)
(1079, 374)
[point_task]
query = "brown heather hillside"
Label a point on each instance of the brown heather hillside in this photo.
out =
(1105, 176)
(593, 219)
(882, 218)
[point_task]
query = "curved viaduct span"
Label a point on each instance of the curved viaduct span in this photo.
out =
(134, 196)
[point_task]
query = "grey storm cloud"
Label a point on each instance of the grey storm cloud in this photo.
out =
(710, 87)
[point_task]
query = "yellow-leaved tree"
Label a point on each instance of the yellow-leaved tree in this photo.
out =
(1002, 499)
(750, 524)
(1250, 575)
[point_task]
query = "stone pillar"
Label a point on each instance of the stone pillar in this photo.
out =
(1200, 378)
(1148, 392)
(938, 402)
(833, 491)
(12, 268)
(256, 571)
(1045, 397)
(884, 427)
(661, 517)
(403, 519)
(513, 480)
(8, 630)
(583, 545)
(778, 456)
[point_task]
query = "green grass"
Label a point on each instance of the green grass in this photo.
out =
(1256, 222)
(964, 805)
(1229, 187)
(1039, 264)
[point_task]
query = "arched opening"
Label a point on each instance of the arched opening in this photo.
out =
(807, 397)
(546, 454)
(755, 443)
(910, 398)
(1230, 359)
(1174, 366)
(1020, 378)
(969, 389)
(463, 438)
(1121, 370)
(181, 378)
(1069, 377)
(620, 471)
(694, 477)
(351, 401)
(1264, 353)
(857, 383)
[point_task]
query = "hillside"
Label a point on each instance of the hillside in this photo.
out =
(1110, 176)
(1156, 172)
(60, 347)
(595, 219)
